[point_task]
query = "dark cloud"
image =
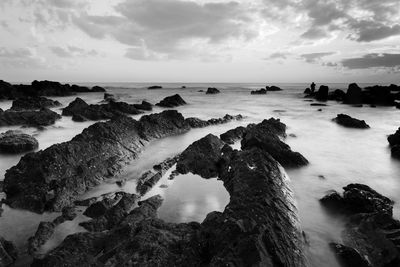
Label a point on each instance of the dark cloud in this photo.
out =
(315, 33)
(72, 51)
(367, 31)
(278, 55)
(373, 60)
(20, 58)
(315, 57)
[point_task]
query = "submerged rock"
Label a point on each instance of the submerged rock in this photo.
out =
(8, 252)
(273, 88)
(154, 87)
(347, 121)
(33, 103)
(394, 142)
(42, 117)
(212, 91)
(17, 142)
(261, 91)
(81, 111)
(172, 101)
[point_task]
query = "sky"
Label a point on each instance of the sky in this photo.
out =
(260, 41)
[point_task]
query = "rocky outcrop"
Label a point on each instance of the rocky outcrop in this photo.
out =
(257, 228)
(261, 91)
(81, 111)
(198, 123)
(154, 87)
(348, 257)
(394, 142)
(273, 88)
(8, 252)
(322, 93)
(51, 179)
(17, 142)
(353, 95)
(370, 230)
(33, 103)
(347, 121)
(233, 135)
(171, 101)
(99, 208)
(42, 88)
(337, 95)
(212, 91)
(144, 106)
(42, 117)
(109, 98)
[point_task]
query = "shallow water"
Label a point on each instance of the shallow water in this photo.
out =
(340, 155)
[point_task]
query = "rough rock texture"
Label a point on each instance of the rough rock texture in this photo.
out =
(347, 121)
(371, 229)
(33, 103)
(394, 142)
(198, 123)
(8, 252)
(53, 178)
(99, 208)
(273, 88)
(257, 228)
(17, 142)
(42, 117)
(81, 111)
(349, 257)
(212, 91)
(233, 135)
(261, 91)
(42, 88)
(144, 106)
(171, 101)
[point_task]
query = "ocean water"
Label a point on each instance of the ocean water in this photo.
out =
(339, 154)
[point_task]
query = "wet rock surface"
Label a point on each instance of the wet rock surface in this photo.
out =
(17, 142)
(371, 230)
(347, 121)
(212, 91)
(42, 88)
(8, 252)
(257, 228)
(81, 111)
(42, 117)
(33, 103)
(394, 142)
(51, 179)
(171, 101)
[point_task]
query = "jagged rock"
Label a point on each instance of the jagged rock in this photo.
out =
(97, 89)
(347, 121)
(212, 91)
(394, 139)
(348, 257)
(273, 88)
(262, 91)
(43, 117)
(43, 233)
(395, 150)
(322, 93)
(307, 91)
(69, 213)
(201, 157)
(99, 208)
(53, 178)
(233, 135)
(81, 111)
(155, 87)
(89, 201)
(171, 101)
(198, 123)
(8, 252)
(17, 142)
(109, 97)
(144, 106)
(353, 95)
(33, 103)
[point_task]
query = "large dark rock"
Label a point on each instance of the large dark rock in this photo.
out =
(8, 252)
(144, 106)
(337, 95)
(371, 229)
(33, 103)
(233, 135)
(348, 257)
(212, 91)
(261, 91)
(353, 95)
(17, 142)
(171, 101)
(43, 117)
(155, 87)
(273, 88)
(347, 121)
(51, 179)
(378, 95)
(81, 111)
(394, 139)
(323, 93)
(43, 234)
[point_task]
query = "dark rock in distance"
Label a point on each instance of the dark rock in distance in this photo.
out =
(144, 106)
(322, 93)
(261, 91)
(17, 142)
(273, 88)
(233, 135)
(347, 121)
(43, 117)
(33, 103)
(318, 104)
(353, 95)
(212, 91)
(154, 87)
(171, 101)
(394, 142)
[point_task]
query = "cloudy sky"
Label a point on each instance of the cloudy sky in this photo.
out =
(200, 40)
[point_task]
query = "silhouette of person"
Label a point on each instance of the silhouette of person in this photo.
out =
(312, 87)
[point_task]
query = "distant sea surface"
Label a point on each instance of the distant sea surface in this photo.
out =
(338, 156)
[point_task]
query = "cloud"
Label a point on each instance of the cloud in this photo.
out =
(315, 33)
(20, 58)
(72, 51)
(278, 55)
(373, 60)
(367, 31)
(314, 57)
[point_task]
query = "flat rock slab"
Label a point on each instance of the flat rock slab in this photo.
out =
(17, 142)
(347, 121)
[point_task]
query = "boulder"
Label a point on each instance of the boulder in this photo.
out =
(307, 91)
(8, 252)
(171, 101)
(322, 93)
(144, 106)
(43, 234)
(353, 95)
(349, 257)
(42, 117)
(233, 135)
(378, 95)
(273, 88)
(337, 95)
(97, 89)
(212, 91)
(99, 208)
(109, 97)
(154, 87)
(395, 150)
(394, 139)
(33, 103)
(17, 142)
(262, 91)
(347, 121)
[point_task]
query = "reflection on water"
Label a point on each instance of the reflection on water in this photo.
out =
(340, 154)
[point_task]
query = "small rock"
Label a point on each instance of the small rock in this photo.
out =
(17, 142)
(212, 91)
(347, 121)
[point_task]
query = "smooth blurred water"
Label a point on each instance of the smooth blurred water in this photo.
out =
(340, 154)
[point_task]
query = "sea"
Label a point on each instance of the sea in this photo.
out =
(338, 156)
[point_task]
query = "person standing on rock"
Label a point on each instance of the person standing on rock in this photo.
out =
(312, 87)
